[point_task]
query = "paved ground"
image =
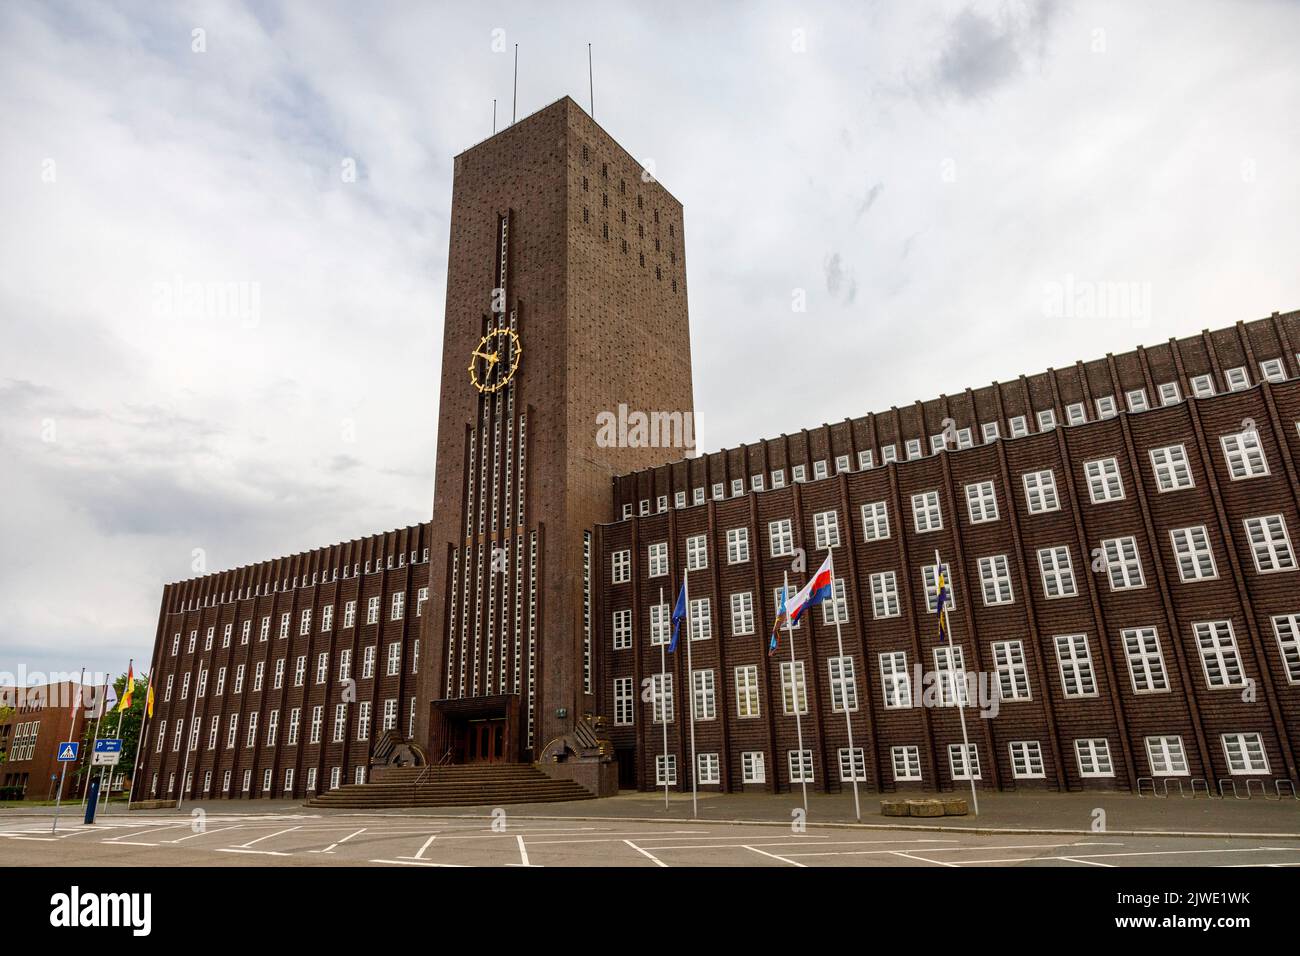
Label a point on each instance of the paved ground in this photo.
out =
(296, 836)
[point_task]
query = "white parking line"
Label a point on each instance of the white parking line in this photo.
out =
(330, 848)
(240, 849)
(1071, 859)
(921, 859)
(268, 836)
(419, 854)
(419, 863)
(650, 856)
(775, 857)
(201, 833)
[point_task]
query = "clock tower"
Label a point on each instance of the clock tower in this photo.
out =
(566, 300)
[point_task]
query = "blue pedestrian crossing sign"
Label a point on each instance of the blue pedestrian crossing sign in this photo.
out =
(68, 750)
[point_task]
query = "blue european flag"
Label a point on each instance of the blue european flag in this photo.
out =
(679, 612)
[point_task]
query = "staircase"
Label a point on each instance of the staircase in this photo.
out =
(460, 785)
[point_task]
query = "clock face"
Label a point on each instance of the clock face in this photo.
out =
(495, 361)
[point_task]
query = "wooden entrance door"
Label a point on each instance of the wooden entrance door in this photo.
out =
(487, 739)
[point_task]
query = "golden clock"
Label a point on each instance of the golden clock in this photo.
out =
(495, 361)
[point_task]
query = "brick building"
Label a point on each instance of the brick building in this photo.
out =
(1118, 534)
(39, 718)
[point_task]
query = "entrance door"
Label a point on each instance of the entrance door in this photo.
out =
(486, 741)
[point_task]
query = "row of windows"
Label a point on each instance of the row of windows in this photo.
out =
(1243, 456)
(288, 584)
(336, 777)
(1243, 753)
(1216, 644)
(1076, 414)
(24, 741)
(392, 668)
(396, 612)
(270, 735)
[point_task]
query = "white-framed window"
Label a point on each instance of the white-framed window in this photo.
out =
(844, 686)
(666, 770)
(884, 595)
(1220, 658)
(737, 487)
(317, 720)
(826, 529)
(1026, 759)
(1270, 545)
(756, 482)
(244, 632)
(1202, 386)
(1272, 370)
(661, 504)
(707, 765)
(661, 687)
(888, 454)
(819, 470)
(719, 491)
(239, 678)
(737, 545)
(866, 460)
(1104, 483)
(1170, 393)
(627, 510)
(842, 464)
(742, 613)
(623, 629)
(1286, 627)
(623, 702)
(372, 610)
(907, 762)
(1169, 464)
(875, 521)
(1193, 553)
(679, 499)
(265, 630)
(304, 623)
(1013, 672)
(697, 496)
(1074, 658)
(752, 768)
(251, 739)
(644, 506)
(1237, 378)
(1166, 757)
(747, 692)
(284, 625)
(964, 762)
(656, 559)
(799, 473)
(930, 583)
(701, 619)
(1106, 407)
(778, 478)
(938, 443)
(895, 681)
(1245, 753)
(350, 614)
(950, 669)
(835, 610)
(1093, 756)
(1146, 661)
(801, 766)
(995, 579)
(1076, 414)
(1137, 400)
(368, 663)
(989, 432)
(1040, 491)
(780, 536)
(1123, 566)
(394, 658)
(340, 722)
(335, 774)
(853, 765)
(794, 691)
(259, 674)
(913, 446)
(660, 624)
(964, 439)
(925, 512)
(327, 616)
(1057, 572)
(981, 502)
(697, 553)
(300, 670)
(363, 720)
(702, 694)
(1019, 426)
(345, 663)
(621, 566)
(1244, 455)
(1046, 420)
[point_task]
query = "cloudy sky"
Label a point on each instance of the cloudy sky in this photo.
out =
(927, 177)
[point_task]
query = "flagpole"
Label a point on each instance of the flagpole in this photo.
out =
(663, 692)
(794, 691)
(140, 741)
(72, 734)
(695, 790)
(189, 732)
(107, 794)
(103, 701)
(961, 698)
(848, 720)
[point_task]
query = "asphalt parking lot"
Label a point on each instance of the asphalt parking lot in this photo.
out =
(306, 839)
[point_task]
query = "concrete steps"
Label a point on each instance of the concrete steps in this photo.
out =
(452, 786)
